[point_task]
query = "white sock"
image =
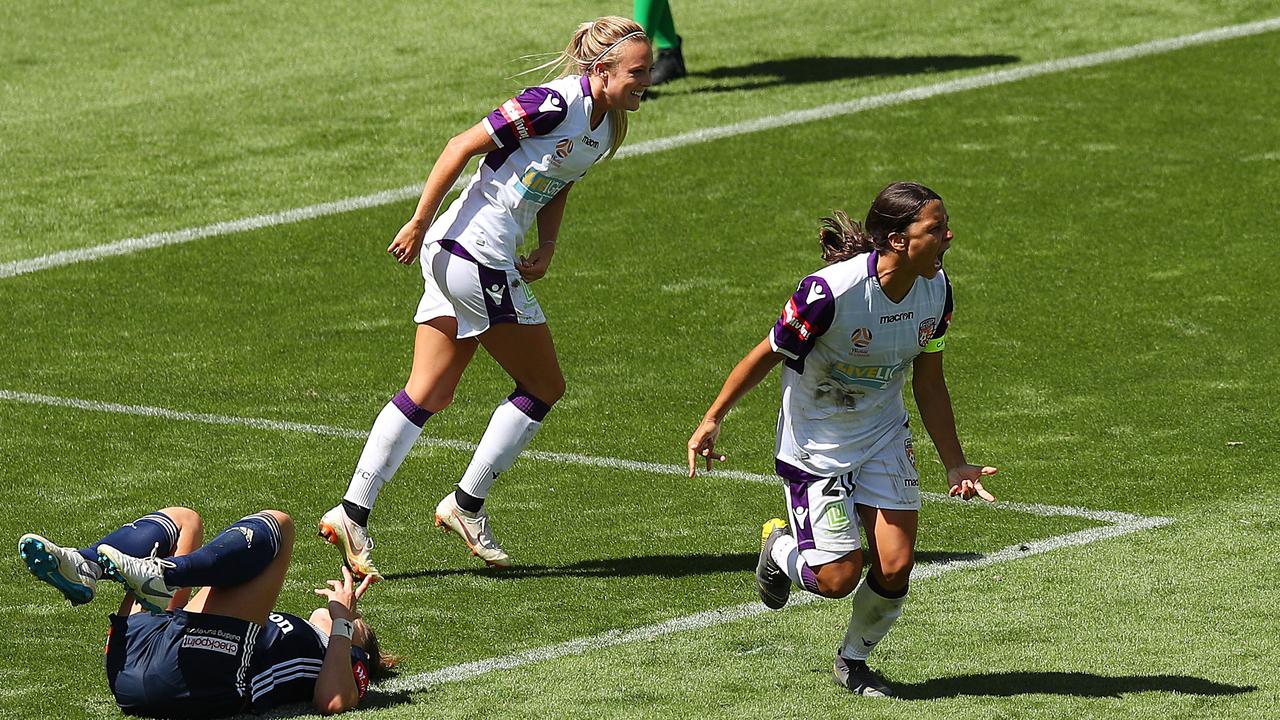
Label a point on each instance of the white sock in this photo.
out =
(510, 429)
(787, 554)
(392, 436)
(873, 615)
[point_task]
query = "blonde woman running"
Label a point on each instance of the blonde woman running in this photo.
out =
(535, 147)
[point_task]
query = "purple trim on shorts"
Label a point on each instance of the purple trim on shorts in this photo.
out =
(529, 405)
(497, 295)
(791, 473)
(808, 578)
(802, 519)
(455, 248)
(405, 404)
(493, 285)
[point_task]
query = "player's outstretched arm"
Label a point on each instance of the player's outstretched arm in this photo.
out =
(336, 690)
(929, 386)
(473, 141)
(745, 375)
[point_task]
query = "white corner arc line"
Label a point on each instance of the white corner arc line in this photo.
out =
(733, 613)
(386, 197)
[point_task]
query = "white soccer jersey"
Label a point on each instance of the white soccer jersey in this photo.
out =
(848, 349)
(545, 141)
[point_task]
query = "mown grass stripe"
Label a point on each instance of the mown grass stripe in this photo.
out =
(1107, 516)
(822, 112)
(733, 613)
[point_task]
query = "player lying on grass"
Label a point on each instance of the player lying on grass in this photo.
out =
(476, 286)
(846, 340)
(222, 651)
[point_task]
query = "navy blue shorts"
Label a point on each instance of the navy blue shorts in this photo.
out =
(180, 663)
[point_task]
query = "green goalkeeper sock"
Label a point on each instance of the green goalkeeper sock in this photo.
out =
(655, 17)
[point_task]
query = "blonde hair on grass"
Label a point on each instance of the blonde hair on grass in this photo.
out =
(594, 42)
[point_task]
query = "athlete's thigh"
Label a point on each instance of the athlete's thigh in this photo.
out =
(528, 355)
(439, 359)
(891, 537)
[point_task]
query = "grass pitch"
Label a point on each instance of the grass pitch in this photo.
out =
(1112, 272)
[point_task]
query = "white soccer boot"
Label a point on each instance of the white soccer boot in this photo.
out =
(857, 678)
(473, 528)
(64, 569)
(143, 576)
(352, 539)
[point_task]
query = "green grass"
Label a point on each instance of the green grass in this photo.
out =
(1113, 270)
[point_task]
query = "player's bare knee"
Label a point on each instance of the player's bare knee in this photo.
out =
(436, 400)
(185, 518)
(837, 580)
(285, 522)
(895, 575)
(550, 391)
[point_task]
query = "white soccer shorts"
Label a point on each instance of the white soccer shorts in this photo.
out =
(455, 285)
(822, 511)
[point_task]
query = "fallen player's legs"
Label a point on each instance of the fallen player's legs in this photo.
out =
(250, 599)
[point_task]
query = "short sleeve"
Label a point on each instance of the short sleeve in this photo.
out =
(937, 342)
(535, 111)
(807, 315)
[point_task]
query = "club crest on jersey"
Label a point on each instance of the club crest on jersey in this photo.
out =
(861, 339)
(926, 330)
(911, 452)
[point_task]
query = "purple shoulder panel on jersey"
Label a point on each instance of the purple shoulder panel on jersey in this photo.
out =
(807, 315)
(535, 111)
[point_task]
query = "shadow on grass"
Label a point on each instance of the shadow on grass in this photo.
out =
(1061, 683)
(795, 71)
(664, 566)
(375, 698)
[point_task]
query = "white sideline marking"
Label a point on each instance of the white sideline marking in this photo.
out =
(822, 112)
(1119, 523)
(721, 616)
(1107, 516)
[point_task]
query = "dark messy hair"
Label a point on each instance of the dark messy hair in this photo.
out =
(894, 209)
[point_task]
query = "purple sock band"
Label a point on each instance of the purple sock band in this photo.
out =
(529, 405)
(417, 415)
(809, 579)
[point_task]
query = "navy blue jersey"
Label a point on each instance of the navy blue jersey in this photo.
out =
(180, 664)
(287, 660)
